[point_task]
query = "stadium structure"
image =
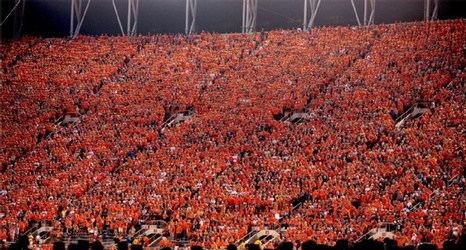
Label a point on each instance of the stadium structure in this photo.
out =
(128, 24)
(314, 138)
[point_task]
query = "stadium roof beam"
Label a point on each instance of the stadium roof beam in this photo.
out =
(430, 16)
(133, 10)
(249, 15)
(19, 17)
(314, 4)
(132, 17)
(367, 20)
(2, 21)
(77, 16)
(190, 25)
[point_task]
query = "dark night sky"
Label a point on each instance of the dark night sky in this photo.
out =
(51, 18)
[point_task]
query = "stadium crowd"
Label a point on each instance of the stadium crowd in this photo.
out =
(234, 165)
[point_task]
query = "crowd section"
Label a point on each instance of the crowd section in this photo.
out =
(234, 166)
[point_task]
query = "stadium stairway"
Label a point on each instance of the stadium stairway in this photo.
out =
(415, 111)
(153, 230)
(155, 235)
(264, 235)
(387, 230)
(177, 118)
(69, 119)
(298, 117)
(382, 231)
(44, 232)
(293, 117)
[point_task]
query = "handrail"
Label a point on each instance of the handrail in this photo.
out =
(154, 239)
(297, 205)
(270, 240)
(187, 112)
(449, 182)
(286, 115)
(32, 229)
(363, 236)
(58, 122)
(139, 232)
(435, 192)
(171, 118)
(45, 237)
(407, 112)
(431, 196)
(246, 236)
(379, 225)
(417, 205)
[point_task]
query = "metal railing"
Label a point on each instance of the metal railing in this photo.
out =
(154, 240)
(32, 229)
(372, 231)
(416, 206)
(247, 236)
(435, 193)
(169, 122)
(170, 119)
(419, 104)
(139, 232)
(364, 236)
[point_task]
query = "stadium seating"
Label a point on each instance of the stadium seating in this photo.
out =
(233, 166)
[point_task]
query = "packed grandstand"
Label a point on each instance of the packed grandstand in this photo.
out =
(320, 135)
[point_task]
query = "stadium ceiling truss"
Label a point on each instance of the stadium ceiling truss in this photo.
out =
(314, 5)
(79, 9)
(249, 15)
(367, 20)
(77, 16)
(428, 16)
(190, 19)
(18, 10)
(132, 17)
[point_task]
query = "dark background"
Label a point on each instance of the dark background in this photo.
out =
(51, 18)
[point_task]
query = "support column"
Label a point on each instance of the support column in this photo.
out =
(314, 6)
(132, 22)
(372, 15)
(19, 17)
(131, 18)
(435, 13)
(77, 16)
(190, 19)
(249, 15)
(368, 19)
(428, 16)
(365, 12)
